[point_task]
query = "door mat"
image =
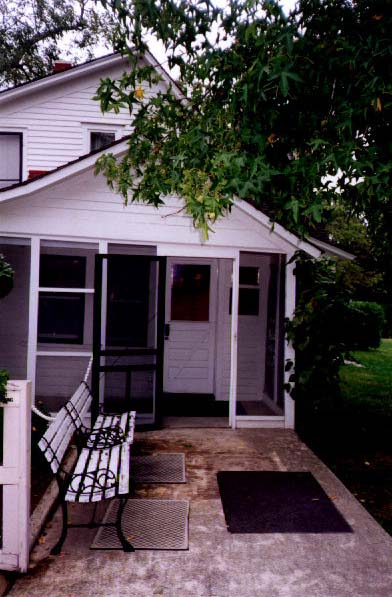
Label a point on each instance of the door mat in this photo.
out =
(147, 524)
(277, 502)
(158, 468)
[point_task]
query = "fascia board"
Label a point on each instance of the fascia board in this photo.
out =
(67, 75)
(80, 71)
(57, 176)
(331, 250)
(278, 230)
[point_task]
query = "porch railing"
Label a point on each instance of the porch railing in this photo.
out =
(15, 434)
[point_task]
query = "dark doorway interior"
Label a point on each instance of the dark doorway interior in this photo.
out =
(193, 405)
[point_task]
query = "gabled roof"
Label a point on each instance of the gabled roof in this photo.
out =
(96, 152)
(79, 70)
(60, 173)
(84, 162)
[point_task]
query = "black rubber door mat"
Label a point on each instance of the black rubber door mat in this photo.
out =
(277, 502)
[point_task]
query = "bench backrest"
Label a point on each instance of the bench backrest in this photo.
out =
(79, 404)
(57, 437)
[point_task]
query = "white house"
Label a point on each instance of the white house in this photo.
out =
(177, 325)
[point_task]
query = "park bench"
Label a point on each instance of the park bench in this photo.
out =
(101, 469)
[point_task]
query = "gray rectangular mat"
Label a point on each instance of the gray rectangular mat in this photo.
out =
(158, 468)
(147, 524)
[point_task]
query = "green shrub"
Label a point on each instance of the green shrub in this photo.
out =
(4, 377)
(318, 334)
(364, 325)
(6, 277)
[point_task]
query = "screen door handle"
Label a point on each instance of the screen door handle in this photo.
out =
(167, 330)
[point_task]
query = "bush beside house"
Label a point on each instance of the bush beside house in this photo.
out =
(364, 325)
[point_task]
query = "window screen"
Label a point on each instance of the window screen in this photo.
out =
(61, 314)
(10, 159)
(100, 139)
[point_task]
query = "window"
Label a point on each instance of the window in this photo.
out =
(100, 139)
(190, 293)
(10, 159)
(61, 318)
(61, 313)
(249, 291)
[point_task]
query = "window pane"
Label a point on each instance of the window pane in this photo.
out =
(190, 296)
(10, 145)
(61, 317)
(249, 276)
(101, 139)
(62, 271)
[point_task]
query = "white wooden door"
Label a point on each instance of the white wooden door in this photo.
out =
(190, 326)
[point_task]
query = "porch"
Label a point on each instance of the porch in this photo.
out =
(219, 564)
(175, 331)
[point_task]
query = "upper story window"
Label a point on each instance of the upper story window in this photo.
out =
(10, 159)
(101, 139)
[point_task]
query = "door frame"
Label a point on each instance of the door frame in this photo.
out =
(99, 352)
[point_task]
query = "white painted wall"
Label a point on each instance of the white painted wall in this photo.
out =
(56, 121)
(85, 209)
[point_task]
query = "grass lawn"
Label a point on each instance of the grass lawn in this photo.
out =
(355, 440)
(368, 389)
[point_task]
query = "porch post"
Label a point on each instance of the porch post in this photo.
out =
(234, 341)
(103, 249)
(33, 313)
(289, 353)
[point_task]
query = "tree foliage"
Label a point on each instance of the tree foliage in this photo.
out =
(31, 32)
(292, 112)
(364, 276)
(318, 333)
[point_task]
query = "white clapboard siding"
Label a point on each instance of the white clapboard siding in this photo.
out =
(97, 213)
(55, 120)
(57, 377)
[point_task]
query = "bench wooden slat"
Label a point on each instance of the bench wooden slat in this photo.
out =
(56, 439)
(124, 469)
(113, 459)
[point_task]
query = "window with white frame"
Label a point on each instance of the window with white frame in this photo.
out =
(61, 313)
(101, 139)
(10, 158)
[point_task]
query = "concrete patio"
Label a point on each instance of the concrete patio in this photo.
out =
(220, 564)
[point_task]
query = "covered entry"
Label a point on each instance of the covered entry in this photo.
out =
(224, 338)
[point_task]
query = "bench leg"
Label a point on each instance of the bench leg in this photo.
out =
(126, 545)
(57, 548)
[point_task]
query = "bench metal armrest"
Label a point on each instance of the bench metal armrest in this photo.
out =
(105, 437)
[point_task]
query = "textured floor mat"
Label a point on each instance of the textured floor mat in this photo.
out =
(158, 468)
(277, 502)
(147, 524)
